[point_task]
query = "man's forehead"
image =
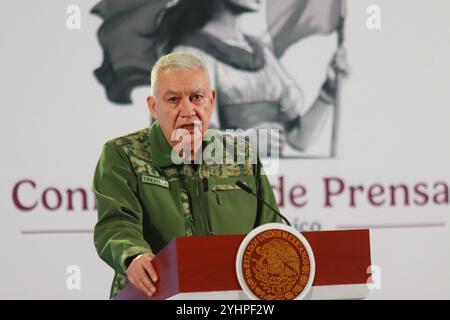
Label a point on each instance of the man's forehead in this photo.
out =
(179, 73)
(174, 91)
(182, 80)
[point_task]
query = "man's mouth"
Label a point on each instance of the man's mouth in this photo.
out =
(190, 127)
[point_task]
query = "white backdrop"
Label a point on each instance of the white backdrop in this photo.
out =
(395, 129)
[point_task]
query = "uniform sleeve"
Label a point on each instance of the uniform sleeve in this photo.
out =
(118, 232)
(264, 190)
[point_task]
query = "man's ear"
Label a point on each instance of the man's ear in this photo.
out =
(151, 103)
(213, 99)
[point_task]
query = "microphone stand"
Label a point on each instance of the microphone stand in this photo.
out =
(246, 188)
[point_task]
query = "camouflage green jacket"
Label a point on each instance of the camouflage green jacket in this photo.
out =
(144, 199)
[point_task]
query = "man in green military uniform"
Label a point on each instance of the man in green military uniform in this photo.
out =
(159, 183)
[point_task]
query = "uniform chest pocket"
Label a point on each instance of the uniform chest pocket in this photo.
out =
(219, 188)
(226, 189)
(233, 209)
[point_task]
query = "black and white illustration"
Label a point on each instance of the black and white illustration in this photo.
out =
(255, 89)
(76, 73)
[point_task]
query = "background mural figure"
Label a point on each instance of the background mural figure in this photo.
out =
(253, 88)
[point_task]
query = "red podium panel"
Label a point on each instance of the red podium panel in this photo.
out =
(204, 267)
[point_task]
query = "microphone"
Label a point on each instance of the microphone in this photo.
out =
(246, 188)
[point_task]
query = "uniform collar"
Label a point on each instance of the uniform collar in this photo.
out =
(160, 149)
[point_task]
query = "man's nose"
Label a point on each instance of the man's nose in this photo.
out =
(187, 108)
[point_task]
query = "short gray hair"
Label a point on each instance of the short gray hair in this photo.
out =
(175, 60)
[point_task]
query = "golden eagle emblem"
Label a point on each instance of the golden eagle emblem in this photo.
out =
(276, 265)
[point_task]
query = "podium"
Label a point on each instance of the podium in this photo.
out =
(204, 267)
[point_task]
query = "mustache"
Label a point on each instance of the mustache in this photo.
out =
(189, 123)
(183, 132)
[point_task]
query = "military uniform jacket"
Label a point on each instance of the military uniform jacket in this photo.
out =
(144, 200)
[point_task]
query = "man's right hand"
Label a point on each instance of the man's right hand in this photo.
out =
(142, 275)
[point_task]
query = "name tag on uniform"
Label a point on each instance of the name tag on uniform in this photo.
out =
(157, 181)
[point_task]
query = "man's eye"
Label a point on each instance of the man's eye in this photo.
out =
(173, 99)
(197, 97)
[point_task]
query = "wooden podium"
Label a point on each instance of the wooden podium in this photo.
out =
(204, 267)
